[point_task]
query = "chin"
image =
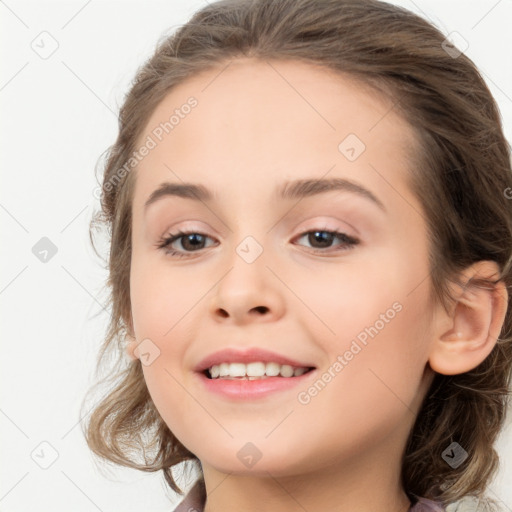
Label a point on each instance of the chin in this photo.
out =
(257, 459)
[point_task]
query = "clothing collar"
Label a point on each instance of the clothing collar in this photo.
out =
(195, 499)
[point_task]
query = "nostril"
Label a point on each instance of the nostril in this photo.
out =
(261, 309)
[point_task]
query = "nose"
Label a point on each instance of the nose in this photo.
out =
(247, 293)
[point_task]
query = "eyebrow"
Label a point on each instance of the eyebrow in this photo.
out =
(296, 189)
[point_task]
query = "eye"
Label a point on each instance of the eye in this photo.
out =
(321, 239)
(191, 242)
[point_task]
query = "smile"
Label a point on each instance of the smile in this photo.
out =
(254, 370)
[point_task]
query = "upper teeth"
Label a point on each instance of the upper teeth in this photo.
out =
(256, 369)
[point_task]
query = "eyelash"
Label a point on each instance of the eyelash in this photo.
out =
(349, 242)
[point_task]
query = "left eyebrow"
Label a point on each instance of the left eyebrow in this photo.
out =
(296, 189)
(299, 189)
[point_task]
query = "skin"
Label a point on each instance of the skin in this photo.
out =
(257, 124)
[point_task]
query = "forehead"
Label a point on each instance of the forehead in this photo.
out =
(256, 123)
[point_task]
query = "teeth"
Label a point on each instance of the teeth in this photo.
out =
(299, 371)
(286, 371)
(256, 370)
(272, 369)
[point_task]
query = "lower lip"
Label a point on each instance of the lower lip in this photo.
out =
(244, 389)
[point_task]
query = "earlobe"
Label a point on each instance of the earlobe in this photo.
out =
(474, 323)
(130, 340)
(131, 345)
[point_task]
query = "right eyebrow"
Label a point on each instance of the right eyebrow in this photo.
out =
(185, 190)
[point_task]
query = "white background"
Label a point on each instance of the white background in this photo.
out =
(58, 116)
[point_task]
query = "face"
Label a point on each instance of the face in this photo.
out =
(332, 276)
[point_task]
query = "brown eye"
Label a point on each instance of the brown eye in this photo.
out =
(192, 241)
(323, 239)
(187, 242)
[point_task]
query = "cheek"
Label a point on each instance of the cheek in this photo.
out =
(368, 389)
(164, 311)
(377, 314)
(385, 360)
(346, 298)
(161, 300)
(169, 392)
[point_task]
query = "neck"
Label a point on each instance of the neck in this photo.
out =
(369, 485)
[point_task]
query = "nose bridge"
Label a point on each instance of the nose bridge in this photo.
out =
(248, 289)
(250, 241)
(246, 277)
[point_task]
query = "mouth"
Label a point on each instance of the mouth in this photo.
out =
(250, 374)
(238, 383)
(257, 370)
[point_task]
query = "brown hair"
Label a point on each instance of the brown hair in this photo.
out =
(461, 176)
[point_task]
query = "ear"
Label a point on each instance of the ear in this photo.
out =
(130, 340)
(466, 334)
(131, 345)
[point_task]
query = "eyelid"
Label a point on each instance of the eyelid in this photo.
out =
(330, 225)
(311, 224)
(349, 241)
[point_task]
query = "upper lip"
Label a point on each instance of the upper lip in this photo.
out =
(232, 355)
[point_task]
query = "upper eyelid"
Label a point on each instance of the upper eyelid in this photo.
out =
(348, 244)
(181, 233)
(316, 224)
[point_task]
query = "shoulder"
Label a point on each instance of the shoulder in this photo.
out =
(194, 500)
(426, 505)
